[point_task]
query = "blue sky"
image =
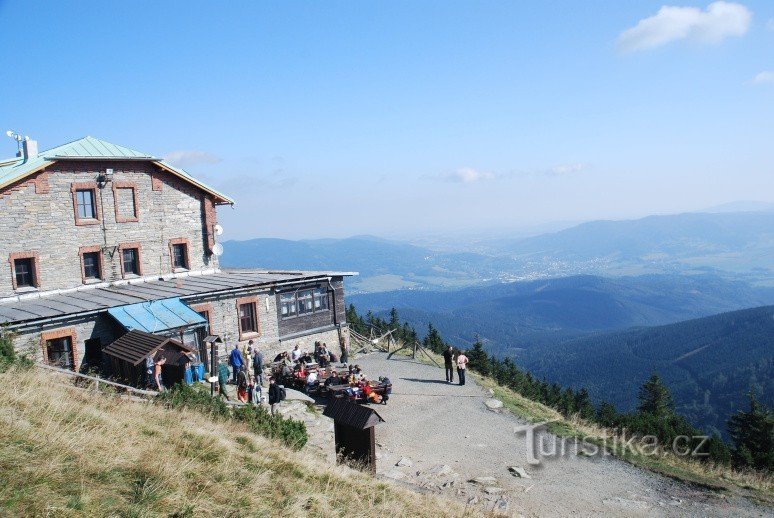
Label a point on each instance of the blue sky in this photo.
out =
(328, 119)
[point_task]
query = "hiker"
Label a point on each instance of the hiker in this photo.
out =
(295, 355)
(223, 380)
(254, 393)
(275, 394)
(150, 383)
(462, 364)
(160, 361)
(236, 361)
(448, 362)
(242, 384)
(344, 350)
(257, 365)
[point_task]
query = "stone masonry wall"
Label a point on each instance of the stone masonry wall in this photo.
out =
(39, 216)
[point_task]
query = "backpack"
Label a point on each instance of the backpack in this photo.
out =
(283, 394)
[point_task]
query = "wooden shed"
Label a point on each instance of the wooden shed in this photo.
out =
(127, 357)
(355, 437)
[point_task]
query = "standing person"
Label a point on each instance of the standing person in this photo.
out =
(295, 354)
(275, 396)
(462, 364)
(150, 363)
(344, 351)
(448, 362)
(236, 361)
(223, 380)
(257, 365)
(242, 384)
(160, 361)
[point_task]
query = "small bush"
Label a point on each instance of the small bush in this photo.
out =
(260, 421)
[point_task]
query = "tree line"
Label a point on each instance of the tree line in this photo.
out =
(751, 431)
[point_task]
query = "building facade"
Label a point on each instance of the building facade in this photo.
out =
(96, 237)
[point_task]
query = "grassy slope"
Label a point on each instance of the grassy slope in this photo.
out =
(71, 452)
(751, 484)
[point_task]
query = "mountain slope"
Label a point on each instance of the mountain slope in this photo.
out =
(523, 314)
(709, 363)
(73, 452)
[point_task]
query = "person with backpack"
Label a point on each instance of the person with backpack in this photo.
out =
(275, 394)
(223, 380)
(236, 361)
(448, 362)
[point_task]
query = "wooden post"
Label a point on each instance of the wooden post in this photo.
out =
(414, 351)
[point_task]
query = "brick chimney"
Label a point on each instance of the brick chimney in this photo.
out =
(29, 148)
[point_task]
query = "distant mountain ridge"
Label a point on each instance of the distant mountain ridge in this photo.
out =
(738, 244)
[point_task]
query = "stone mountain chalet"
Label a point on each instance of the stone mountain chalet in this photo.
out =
(101, 240)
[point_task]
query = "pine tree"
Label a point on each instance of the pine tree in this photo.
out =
(752, 433)
(655, 398)
(479, 360)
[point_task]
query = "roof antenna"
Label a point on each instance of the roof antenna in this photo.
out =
(19, 139)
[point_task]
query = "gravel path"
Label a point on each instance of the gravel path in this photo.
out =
(444, 435)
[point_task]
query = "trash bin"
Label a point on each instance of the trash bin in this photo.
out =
(198, 372)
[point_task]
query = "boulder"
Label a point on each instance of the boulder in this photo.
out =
(493, 490)
(404, 462)
(483, 481)
(395, 474)
(517, 471)
(439, 470)
(493, 404)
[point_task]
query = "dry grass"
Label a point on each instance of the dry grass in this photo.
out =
(70, 452)
(750, 483)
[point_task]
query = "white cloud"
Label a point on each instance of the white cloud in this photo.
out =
(764, 78)
(189, 158)
(466, 175)
(719, 21)
(567, 168)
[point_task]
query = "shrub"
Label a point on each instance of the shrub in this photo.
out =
(292, 433)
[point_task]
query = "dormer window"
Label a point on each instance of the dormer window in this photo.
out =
(85, 203)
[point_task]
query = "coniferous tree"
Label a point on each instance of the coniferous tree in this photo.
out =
(479, 360)
(752, 433)
(655, 398)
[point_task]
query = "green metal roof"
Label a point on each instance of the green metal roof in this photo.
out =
(90, 148)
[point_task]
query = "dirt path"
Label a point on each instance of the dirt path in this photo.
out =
(449, 436)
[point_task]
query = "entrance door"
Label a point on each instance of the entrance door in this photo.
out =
(93, 355)
(60, 352)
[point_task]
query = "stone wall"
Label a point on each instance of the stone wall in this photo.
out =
(39, 216)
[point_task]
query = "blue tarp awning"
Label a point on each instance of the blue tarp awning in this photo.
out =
(157, 316)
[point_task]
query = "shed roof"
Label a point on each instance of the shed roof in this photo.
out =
(89, 299)
(136, 345)
(351, 414)
(90, 148)
(156, 316)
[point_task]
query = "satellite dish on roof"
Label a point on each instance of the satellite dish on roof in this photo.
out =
(217, 250)
(218, 230)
